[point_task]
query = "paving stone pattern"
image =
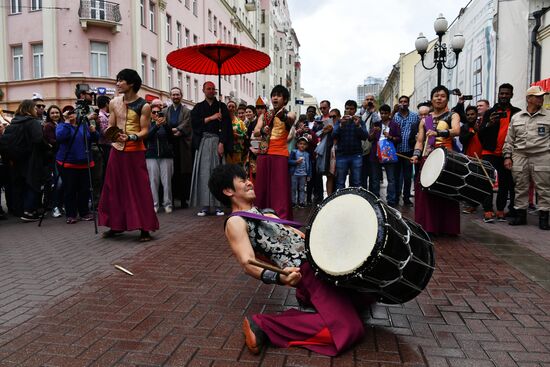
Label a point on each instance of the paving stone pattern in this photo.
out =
(62, 303)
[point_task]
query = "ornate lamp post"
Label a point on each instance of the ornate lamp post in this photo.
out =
(440, 48)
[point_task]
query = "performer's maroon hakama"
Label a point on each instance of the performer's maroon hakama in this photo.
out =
(436, 214)
(272, 184)
(126, 202)
(335, 326)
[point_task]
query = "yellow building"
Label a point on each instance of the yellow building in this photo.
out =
(401, 79)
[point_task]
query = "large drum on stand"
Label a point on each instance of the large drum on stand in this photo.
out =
(456, 176)
(354, 240)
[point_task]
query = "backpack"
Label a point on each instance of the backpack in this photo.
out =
(16, 144)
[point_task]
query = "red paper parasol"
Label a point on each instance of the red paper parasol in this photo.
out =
(218, 59)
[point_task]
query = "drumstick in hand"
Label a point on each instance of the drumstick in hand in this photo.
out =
(427, 138)
(267, 266)
(483, 168)
(403, 156)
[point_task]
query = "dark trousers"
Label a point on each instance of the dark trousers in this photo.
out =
(76, 184)
(403, 172)
(315, 185)
(505, 185)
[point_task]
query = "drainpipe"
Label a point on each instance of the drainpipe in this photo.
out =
(537, 48)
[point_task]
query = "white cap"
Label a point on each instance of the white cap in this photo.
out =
(36, 96)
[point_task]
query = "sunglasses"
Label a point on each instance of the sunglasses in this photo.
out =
(40, 106)
(334, 117)
(155, 112)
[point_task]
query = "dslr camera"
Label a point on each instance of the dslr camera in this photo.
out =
(466, 97)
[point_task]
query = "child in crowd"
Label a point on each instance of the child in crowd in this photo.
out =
(300, 172)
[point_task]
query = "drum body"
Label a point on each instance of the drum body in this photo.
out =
(456, 176)
(354, 240)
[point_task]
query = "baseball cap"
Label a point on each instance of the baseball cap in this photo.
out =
(37, 96)
(535, 90)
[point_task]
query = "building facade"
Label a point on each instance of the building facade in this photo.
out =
(51, 45)
(371, 85)
(278, 39)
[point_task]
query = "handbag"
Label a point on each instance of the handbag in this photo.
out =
(386, 151)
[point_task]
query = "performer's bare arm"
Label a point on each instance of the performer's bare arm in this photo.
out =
(237, 234)
(112, 116)
(259, 126)
(144, 121)
(419, 140)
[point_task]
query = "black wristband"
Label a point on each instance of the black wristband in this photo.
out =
(132, 137)
(417, 152)
(443, 133)
(270, 277)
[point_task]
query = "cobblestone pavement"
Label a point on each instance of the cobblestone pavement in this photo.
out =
(62, 303)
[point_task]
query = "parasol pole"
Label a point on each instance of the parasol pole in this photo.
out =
(220, 78)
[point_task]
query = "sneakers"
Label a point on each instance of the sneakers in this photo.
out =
(30, 217)
(202, 213)
(500, 216)
(56, 212)
(255, 338)
(469, 210)
(168, 209)
(219, 212)
(71, 220)
(489, 217)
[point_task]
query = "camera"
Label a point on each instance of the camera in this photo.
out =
(468, 97)
(160, 114)
(501, 114)
(370, 104)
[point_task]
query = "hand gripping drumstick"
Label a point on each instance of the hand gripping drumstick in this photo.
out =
(425, 146)
(484, 170)
(267, 266)
(403, 156)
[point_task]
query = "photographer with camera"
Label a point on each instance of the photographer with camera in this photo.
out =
(74, 158)
(492, 134)
(369, 115)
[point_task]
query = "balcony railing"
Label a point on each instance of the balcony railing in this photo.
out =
(101, 13)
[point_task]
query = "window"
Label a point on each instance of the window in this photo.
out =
(99, 59)
(97, 9)
(37, 61)
(178, 34)
(224, 34)
(187, 4)
(215, 26)
(477, 79)
(168, 28)
(187, 37)
(289, 59)
(188, 86)
(144, 68)
(196, 85)
(263, 40)
(17, 54)
(195, 8)
(209, 20)
(36, 5)
(169, 79)
(15, 7)
(142, 11)
(280, 62)
(153, 73)
(263, 17)
(195, 39)
(180, 81)
(151, 17)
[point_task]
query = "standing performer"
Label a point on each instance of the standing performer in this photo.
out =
(272, 177)
(212, 140)
(334, 326)
(436, 214)
(126, 202)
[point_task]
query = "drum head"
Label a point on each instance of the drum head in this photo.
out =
(432, 167)
(343, 234)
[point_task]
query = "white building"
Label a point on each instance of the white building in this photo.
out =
(371, 85)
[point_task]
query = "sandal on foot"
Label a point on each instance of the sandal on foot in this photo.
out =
(144, 236)
(110, 233)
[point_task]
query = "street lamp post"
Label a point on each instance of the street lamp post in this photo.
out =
(440, 48)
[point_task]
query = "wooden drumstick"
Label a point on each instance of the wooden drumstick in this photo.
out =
(483, 168)
(427, 138)
(403, 156)
(267, 266)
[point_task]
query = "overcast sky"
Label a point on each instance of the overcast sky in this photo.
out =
(344, 41)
